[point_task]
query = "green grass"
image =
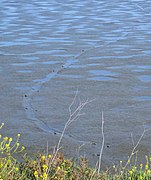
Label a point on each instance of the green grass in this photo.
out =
(57, 167)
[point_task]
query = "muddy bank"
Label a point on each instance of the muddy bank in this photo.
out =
(49, 50)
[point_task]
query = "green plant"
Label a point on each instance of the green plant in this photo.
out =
(9, 167)
(54, 166)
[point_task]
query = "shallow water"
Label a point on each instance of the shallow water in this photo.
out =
(49, 49)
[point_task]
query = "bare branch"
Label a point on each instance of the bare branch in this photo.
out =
(73, 116)
(102, 147)
(133, 152)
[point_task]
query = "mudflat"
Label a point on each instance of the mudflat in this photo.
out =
(48, 50)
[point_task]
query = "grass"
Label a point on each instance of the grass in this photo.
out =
(56, 167)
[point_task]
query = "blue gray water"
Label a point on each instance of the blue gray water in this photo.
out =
(49, 49)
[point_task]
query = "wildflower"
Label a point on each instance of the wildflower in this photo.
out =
(131, 172)
(18, 135)
(140, 177)
(1, 178)
(10, 139)
(43, 157)
(23, 147)
(141, 166)
(146, 166)
(148, 171)
(58, 168)
(45, 166)
(45, 175)
(34, 162)
(7, 146)
(5, 138)
(114, 167)
(36, 174)
(1, 165)
(17, 169)
(49, 156)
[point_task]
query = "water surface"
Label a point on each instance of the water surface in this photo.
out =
(49, 49)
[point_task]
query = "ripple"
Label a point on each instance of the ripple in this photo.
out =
(102, 75)
(74, 76)
(101, 79)
(143, 98)
(77, 66)
(24, 71)
(145, 78)
(23, 64)
(134, 68)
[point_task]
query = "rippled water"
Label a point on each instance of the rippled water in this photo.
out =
(101, 47)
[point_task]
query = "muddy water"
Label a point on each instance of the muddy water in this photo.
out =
(50, 49)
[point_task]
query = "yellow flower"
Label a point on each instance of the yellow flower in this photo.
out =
(140, 177)
(34, 162)
(18, 135)
(43, 157)
(1, 165)
(10, 139)
(58, 168)
(45, 166)
(49, 156)
(17, 169)
(45, 175)
(5, 138)
(146, 166)
(7, 146)
(134, 168)
(148, 171)
(36, 174)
